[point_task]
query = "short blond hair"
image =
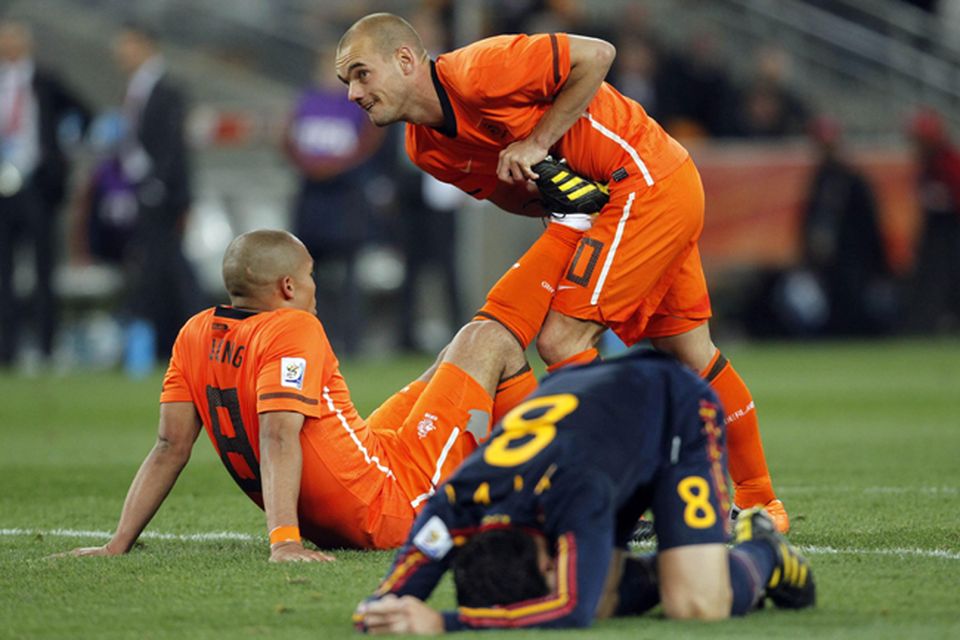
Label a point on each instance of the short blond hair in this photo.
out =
(387, 31)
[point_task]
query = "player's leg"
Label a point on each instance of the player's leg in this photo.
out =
(390, 415)
(624, 265)
(747, 461)
(565, 340)
(695, 582)
(454, 410)
(689, 504)
(520, 299)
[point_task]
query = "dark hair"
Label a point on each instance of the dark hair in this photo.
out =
(498, 567)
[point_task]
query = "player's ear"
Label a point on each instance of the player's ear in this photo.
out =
(406, 59)
(287, 287)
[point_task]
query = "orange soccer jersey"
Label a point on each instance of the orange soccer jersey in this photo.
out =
(360, 486)
(493, 93)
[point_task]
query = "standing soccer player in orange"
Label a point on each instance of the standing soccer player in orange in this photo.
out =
(260, 377)
(480, 117)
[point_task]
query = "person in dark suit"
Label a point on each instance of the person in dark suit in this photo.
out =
(156, 160)
(33, 177)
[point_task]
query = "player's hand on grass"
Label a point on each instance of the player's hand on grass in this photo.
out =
(81, 552)
(296, 552)
(516, 160)
(391, 614)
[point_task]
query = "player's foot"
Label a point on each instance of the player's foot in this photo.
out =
(643, 531)
(778, 513)
(791, 585)
(774, 509)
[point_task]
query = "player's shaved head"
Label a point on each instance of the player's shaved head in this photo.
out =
(387, 33)
(256, 260)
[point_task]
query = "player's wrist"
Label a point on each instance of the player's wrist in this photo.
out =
(285, 535)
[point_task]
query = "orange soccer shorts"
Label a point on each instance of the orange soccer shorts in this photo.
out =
(637, 270)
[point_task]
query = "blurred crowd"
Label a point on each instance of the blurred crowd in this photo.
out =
(355, 187)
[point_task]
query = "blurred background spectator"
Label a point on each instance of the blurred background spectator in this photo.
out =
(155, 160)
(841, 241)
(405, 256)
(935, 282)
(34, 105)
(329, 142)
(769, 107)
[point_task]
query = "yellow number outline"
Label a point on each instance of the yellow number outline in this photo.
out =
(543, 428)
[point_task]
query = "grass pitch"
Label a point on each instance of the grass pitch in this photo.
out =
(863, 441)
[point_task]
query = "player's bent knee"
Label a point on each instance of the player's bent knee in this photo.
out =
(562, 337)
(697, 605)
(488, 337)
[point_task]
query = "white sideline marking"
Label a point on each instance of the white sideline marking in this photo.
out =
(898, 551)
(216, 536)
(212, 536)
(787, 489)
(815, 550)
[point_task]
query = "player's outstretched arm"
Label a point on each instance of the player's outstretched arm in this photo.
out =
(179, 427)
(590, 60)
(281, 465)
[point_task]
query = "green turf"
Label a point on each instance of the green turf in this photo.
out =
(863, 440)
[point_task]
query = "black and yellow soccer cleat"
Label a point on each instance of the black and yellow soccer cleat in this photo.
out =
(791, 585)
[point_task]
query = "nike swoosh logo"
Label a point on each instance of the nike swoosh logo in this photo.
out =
(566, 286)
(469, 165)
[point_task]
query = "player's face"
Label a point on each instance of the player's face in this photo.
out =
(374, 83)
(305, 292)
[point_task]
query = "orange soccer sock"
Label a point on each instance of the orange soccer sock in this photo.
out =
(442, 429)
(521, 298)
(584, 357)
(512, 390)
(747, 462)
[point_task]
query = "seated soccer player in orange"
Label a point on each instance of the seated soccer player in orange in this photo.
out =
(481, 116)
(260, 377)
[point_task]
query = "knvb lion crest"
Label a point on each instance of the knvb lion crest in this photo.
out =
(494, 130)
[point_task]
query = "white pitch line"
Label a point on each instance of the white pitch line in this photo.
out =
(215, 536)
(212, 536)
(891, 490)
(900, 552)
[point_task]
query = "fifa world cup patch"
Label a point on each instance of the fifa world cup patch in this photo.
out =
(434, 539)
(292, 371)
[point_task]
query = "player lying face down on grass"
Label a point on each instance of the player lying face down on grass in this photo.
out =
(260, 377)
(534, 525)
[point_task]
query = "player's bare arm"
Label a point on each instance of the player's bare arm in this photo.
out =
(590, 60)
(281, 466)
(178, 430)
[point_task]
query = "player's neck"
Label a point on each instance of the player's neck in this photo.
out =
(251, 304)
(426, 108)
